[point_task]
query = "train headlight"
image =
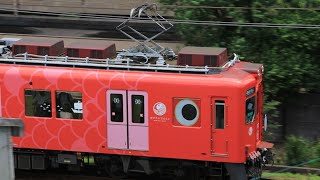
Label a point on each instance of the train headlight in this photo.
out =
(187, 112)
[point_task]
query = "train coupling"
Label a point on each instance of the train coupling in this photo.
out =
(261, 157)
(267, 156)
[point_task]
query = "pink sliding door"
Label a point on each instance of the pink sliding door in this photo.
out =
(127, 120)
(138, 120)
(117, 128)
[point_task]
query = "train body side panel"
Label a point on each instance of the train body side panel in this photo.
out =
(89, 134)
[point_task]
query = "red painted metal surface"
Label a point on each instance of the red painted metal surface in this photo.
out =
(32, 45)
(107, 49)
(165, 139)
(197, 56)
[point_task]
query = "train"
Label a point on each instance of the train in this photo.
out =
(124, 116)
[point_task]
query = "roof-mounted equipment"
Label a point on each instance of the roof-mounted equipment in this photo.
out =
(147, 49)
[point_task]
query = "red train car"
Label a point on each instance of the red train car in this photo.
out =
(137, 121)
(202, 56)
(98, 50)
(38, 46)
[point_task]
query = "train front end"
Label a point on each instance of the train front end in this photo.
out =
(256, 151)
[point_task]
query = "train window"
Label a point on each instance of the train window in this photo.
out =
(43, 51)
(73, 52)
(38, 103)
(186, 112)
(96, 54)
(69, 105)
(19, 49)
(210, 60)
(116, 101)
(137, 102)
(220, 114)
(250, 109)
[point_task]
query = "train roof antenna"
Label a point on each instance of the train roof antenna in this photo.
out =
(147, 48)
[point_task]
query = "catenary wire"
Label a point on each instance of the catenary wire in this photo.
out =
(237, 7)
(174, 21)
(98, 5)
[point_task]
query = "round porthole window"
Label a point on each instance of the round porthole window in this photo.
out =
(187, 112)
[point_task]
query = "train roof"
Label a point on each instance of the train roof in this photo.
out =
(129, 65)
(37, 42)
(202, 50)
(240, 74)
(94, 45)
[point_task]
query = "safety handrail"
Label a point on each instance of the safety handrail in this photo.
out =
(124, 64)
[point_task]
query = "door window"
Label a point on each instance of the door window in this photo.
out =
(116, 101)
(220, 114)
(137, 102)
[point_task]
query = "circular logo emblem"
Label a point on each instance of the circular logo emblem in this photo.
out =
(250, 131)
(159, 108)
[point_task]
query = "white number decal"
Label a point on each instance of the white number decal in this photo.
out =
(116, 100)
(137, 101)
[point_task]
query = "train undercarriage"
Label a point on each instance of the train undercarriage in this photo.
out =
(119, 166)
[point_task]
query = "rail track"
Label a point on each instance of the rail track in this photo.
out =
(52, 175)
(60, 175)
(292, 169)
(22, 175)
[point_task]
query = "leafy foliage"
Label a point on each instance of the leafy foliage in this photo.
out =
(291, 56)
(291, 176)
(299, 150)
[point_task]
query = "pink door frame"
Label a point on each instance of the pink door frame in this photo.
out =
(126, 134)
(138, 132)
(117, 132)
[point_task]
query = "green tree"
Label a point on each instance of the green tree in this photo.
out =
(300, 150)
(291, 56)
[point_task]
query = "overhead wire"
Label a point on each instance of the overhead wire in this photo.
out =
(68, 6)
(173, 21)
(99, 5)
(237, 7)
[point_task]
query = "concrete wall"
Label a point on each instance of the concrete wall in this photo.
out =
(6, 158)
(302, 116)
